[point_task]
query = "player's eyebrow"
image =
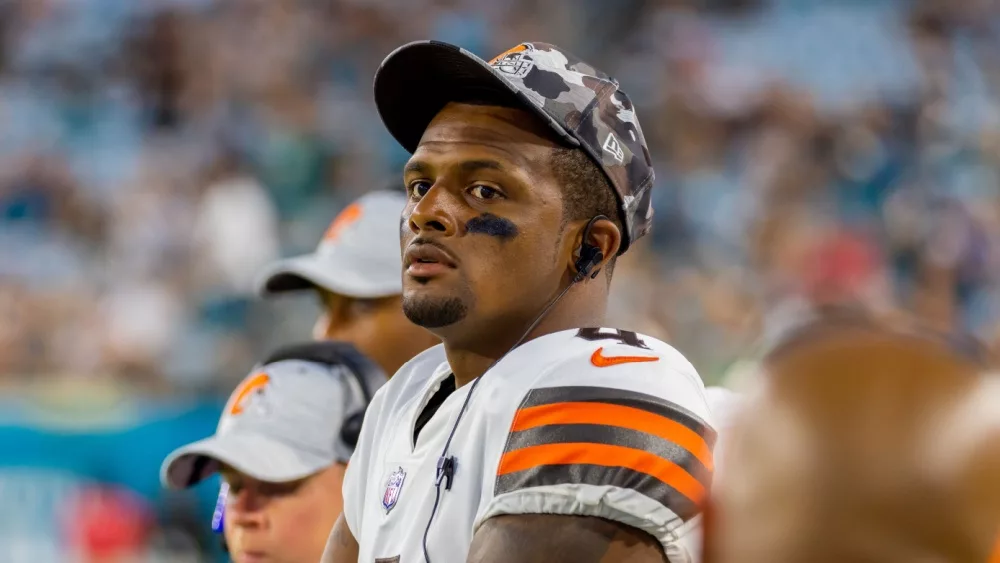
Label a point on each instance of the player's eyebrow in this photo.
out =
(475, 165)
(415, 166)
(469, 166)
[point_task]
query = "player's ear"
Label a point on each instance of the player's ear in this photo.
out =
(603, 234)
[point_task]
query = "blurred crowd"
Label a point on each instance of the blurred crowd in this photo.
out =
(155, 154)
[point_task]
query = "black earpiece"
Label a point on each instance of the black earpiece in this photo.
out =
(590, 255)
(350, 429)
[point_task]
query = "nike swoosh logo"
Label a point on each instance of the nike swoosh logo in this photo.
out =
(600, 360)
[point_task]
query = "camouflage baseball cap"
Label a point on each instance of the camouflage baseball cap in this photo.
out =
(584, 106)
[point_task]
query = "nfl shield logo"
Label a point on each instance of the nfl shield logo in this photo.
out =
(392, 488)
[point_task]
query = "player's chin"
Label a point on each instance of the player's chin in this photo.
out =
(416, 291)
(433, 308)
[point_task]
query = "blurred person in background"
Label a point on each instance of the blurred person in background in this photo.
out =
(356, 273)
(864, 442)
(282, 447)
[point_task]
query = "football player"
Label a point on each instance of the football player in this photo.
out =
(532, 433)
(865, 443)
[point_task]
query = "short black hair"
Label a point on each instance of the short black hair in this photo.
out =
(587, 192)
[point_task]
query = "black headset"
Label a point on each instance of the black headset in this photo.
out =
(333, 354)
(590, 256)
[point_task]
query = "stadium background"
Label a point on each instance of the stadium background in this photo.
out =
(155, 154)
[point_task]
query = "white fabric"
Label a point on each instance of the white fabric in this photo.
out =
(555, 360)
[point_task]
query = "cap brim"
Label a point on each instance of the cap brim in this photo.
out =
(309, 272)
(417, 80)
(255, 456)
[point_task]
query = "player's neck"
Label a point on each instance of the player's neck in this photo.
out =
(471, 358)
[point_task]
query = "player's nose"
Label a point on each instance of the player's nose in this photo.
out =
(435, 212)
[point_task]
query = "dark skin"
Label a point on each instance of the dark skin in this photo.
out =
(474, 160)
(377, 327)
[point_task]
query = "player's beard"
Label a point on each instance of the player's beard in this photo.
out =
(434, 313)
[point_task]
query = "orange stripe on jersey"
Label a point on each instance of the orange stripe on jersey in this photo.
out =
(609, 437)
(608, 456)
(617, 416)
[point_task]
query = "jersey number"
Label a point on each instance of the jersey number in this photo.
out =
(626, 337)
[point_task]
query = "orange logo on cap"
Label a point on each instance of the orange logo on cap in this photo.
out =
(246, 389)
(349, 215)
(511, 51)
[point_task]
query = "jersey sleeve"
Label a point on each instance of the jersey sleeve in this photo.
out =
(621, 434)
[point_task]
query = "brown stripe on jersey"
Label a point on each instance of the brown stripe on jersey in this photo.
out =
(613, 396)
(612, 436)
(616, 416)
(600, 475)
(609, 437)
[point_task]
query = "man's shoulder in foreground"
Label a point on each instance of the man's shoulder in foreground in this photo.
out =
(607, 424)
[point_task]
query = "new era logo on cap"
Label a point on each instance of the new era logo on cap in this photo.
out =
(612, 145)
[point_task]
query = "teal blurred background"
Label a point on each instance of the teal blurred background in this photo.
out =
(155, 154)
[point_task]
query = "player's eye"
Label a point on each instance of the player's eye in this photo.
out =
(479, 191)
(418, 189)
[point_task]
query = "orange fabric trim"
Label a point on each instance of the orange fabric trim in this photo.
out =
(619, 416)
(607, 456)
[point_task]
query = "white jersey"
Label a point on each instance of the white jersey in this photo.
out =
(590, 422)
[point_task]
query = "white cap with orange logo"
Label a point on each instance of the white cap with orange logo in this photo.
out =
(358, 257)
(279, 425)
